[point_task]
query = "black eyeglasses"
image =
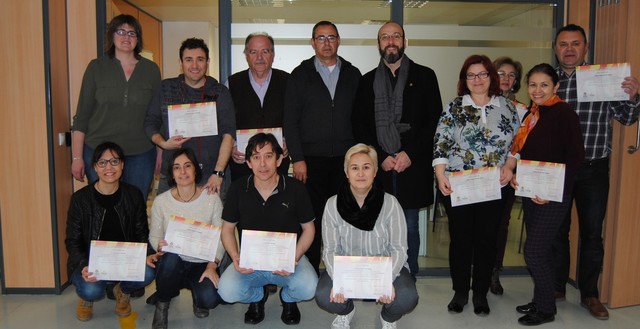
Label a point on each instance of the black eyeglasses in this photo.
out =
(504, 74)
(122, 33)
(103, 162)
(395, 36)
(331, 38)
(482, 75)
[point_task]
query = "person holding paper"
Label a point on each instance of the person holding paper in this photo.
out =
(108, 210)
(191, 87)
(363, 220)
(258, 95)
(550, 133)
(475, 131)
(267, 202)
(591, 190)
(174, 272)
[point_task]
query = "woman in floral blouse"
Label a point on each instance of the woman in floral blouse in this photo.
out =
(474, 131)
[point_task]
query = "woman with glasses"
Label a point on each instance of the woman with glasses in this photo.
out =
(114, 96)
(108, 210)
(474, 131)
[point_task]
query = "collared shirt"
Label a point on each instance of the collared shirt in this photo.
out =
(330, 77)
(595, 117)
(260, 89)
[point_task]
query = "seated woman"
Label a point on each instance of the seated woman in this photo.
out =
(109, 210)
(184, 199)
(363, 220)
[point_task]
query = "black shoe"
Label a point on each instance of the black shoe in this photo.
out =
(480, 305)
(109, 290)
(527, 308)
(458, 302)
(536, 318)
(200, 312)
(255, 313)
(495, 286)
(137, 293)
(153, 299)
(290, 312)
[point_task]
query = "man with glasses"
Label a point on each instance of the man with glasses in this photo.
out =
(317, 121)
(397, 109)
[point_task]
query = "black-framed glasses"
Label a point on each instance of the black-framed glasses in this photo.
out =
(395, 36)
(322, 38)
(482, 75)
(504, 74)
(103, 162)
(123, 32)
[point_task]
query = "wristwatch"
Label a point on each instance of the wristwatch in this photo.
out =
(219, 173)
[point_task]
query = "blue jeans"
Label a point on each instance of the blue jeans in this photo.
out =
(92, 291)
(248, 288)
(174, 274)
(138, 169)
(413, 239)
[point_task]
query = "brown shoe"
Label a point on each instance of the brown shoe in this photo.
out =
(84, 311)
(123, 301)
(595, 307)
(560, 296)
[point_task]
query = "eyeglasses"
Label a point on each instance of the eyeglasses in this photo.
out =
(331, 38)
(103, 162)
(504, 74)
(122, 33)
(395, 36)
(482, 75)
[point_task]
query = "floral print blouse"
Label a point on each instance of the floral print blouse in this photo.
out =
(471, 136)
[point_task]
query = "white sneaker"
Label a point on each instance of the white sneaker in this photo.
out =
(342, 321)
(387, 325)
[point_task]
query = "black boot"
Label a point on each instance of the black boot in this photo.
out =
(255, 313)
(496, 287)
(290, 312)
(160, 317)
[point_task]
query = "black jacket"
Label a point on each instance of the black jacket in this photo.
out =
(84, 222)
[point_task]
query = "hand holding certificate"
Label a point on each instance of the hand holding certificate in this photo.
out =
(192, 238)
(542, 179)
(475, 185)
(601, 83)
(117, 261)
(362, 277)
(192, 120)
(268, 251)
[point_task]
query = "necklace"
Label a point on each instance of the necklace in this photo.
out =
(192, 195)
(100, 191)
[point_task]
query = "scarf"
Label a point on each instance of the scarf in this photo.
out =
(362, 218)
(388, 105)
(530, 122)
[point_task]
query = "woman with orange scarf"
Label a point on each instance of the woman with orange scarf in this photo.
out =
(551, 133)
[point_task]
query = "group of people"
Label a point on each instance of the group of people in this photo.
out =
(360, 148)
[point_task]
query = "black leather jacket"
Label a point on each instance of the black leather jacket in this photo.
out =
(84, 222)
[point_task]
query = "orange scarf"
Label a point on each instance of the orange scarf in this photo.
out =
(530, 122)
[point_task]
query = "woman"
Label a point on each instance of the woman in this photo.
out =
(109, 210)
(184, 199)
(475, 131)
(550, 133)
(363, 220)
(114, 96)
(510, 73)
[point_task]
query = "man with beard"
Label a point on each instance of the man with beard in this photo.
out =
(398, 105)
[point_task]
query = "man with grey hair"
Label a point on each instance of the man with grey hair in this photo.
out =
(258, 95)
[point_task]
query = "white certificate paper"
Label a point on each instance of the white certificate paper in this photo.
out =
(362, 277)
(193, 120)
(243, 135)
(117, 261)
(542, 179)
(192, 238)
(475, 185)
(601, 83)
(268, 251)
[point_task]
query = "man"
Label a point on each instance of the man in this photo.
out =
(317, 121)
(193, 86)
(591, 187)
(397, 109)
(258, 95)
(267, 201)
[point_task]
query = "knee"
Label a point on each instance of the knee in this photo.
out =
(149, 275)
(209, 300)
(91, 291)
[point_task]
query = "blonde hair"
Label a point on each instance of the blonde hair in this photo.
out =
(361, 149)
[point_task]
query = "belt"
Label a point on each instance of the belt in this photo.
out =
(594, 162)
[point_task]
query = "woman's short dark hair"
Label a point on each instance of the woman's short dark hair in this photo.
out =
(116, 23)
(494, 86)
(516, 65)
(259, 140)
(107, 146)
(192, 157)
(544, 68)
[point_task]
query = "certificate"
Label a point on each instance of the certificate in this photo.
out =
(475, 185)
(542, 179)
(362, 277)
(117, 261)
(192, 238)
(601, 83)
(193, 120)
(243, 135)
(268, 251)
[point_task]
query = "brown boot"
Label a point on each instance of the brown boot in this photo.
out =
(496, 287)
(123, 301)
(84, 311)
